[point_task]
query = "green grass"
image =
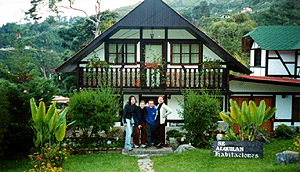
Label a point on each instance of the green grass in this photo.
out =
(201, 160)
(90, 162)
(198, 160)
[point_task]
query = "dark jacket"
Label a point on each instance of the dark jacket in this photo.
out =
(141, 115)
(129, 112)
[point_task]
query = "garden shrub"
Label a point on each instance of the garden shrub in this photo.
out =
(94, 111)
(174, 133)
(284, 131)
(15, 113)
(201, 115)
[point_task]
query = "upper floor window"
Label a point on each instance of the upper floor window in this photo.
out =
(185, 53)
(121, 53)
(257, 57)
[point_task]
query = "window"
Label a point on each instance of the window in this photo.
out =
(121, 53)
(185, 53)
(257, 57)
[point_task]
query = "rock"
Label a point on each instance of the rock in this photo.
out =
(184, 147)
(261, 137)
(287, 157)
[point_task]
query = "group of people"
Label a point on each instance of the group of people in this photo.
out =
(147, 120)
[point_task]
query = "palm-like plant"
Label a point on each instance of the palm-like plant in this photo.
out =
(251, 116)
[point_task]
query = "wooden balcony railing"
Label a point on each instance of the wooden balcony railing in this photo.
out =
(170, 78)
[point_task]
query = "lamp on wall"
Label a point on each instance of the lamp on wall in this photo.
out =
(284, 96)
(152, 34)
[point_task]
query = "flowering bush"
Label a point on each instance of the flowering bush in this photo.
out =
(296, 145)
(49, 158)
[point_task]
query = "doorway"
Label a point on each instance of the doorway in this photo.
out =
(152, 63)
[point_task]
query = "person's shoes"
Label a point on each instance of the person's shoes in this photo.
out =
(159, 146)
(143, 146)
(130, 149)
(135, 146)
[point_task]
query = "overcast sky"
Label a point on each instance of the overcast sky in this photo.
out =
(13, 10)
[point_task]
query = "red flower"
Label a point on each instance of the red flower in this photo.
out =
(38, 158)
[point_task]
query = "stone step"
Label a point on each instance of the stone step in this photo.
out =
(148, 151)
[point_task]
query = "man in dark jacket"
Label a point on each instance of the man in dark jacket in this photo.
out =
(139, 126)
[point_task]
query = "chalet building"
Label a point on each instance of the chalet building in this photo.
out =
(247, 10)
(155, 51)
(275, 63)
(224, 16)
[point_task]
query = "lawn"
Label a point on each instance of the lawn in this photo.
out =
(201, 160)
(198, 160)
(91, 162)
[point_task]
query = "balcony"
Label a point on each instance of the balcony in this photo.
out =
(134, 78)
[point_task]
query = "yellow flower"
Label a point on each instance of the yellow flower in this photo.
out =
(56, 157)
(289, 147)
(59, 152)
(65, 149)
(35, 166)
(43, 166)
(225, 135)
(66, 157)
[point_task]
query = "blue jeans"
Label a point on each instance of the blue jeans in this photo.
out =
(128, 130)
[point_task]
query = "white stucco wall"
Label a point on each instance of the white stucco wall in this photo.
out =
(275, 65)
(284, 107)
(210, 54)
(173, 104)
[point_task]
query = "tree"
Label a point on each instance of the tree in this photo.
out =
(200, 11)
(80, 34)
(228, 33)
(56, 6)
(281, 12)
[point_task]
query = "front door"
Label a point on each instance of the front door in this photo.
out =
(152, 64)
(162, 129)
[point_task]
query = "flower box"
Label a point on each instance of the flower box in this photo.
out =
(151, 65)
(237, 149)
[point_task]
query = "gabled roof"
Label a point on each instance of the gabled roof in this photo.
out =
(276, 37)
(267, 80)
(154, 14)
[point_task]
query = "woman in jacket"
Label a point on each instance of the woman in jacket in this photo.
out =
(160, 119)
(129, 112)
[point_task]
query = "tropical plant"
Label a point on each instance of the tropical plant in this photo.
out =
(48, 127)
(248, 118)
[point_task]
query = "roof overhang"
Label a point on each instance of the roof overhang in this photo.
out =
(266, 80)
(154, 14)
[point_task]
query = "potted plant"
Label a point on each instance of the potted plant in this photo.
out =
(95, 62)
(248, 119)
